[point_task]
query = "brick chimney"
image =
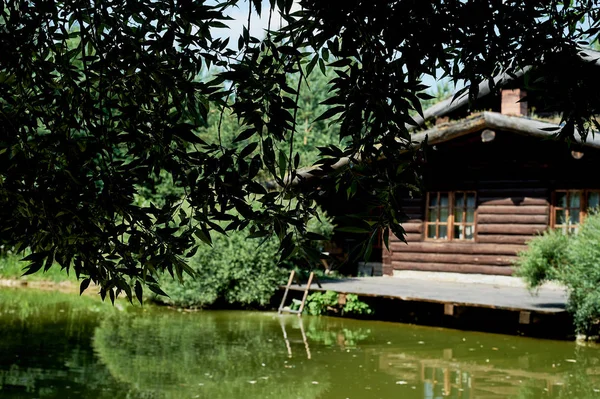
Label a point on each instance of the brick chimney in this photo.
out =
(510, 102)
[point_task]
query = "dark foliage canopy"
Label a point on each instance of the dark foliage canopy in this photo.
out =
(98, 98)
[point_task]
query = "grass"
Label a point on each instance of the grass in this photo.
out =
(11, 267)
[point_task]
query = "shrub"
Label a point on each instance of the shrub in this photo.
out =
(235, 270)
(356, 306)
(238, 270)
(574, 261)
(319, 303)
(581, 275)
(543, 259)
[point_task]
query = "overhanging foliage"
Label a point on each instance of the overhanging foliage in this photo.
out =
(97, 98)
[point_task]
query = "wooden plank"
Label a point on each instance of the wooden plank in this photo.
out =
(512, 209)
(287, 289)
(457, 248)
(411, 221)
(524, 317)
(522, 229)
(494, 260)
(310, 279)
(453, 267)
(514, 218)
(410, 237)
(449, 309)
(412, 227)
(504, 239)
(512, 201)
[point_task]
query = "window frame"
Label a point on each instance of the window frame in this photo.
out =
(583, 207)
(450, 222)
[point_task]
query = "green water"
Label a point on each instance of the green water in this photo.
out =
(63, 346)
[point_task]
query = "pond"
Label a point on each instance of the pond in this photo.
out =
(55, 345)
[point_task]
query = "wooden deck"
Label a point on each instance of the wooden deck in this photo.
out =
(547, 301)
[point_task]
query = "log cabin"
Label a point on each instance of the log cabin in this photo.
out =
(492, 182)
(494, 179)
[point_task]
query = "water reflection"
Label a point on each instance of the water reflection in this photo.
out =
(60, 346)
(203, 354)
(287, 340)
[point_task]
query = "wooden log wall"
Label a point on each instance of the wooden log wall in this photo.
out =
(506, 218)
(514, 177)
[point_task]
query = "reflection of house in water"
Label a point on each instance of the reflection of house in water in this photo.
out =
(448, 378)
(455, 384)
(424, 363)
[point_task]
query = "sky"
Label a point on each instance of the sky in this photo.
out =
(258, 26)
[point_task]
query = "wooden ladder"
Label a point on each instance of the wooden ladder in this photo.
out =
(282, 307)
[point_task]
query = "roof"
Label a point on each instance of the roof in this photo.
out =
(451, 104)
(494, 120)
(479, 121)
(455, 129)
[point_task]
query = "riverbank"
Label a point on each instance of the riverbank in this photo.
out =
(475, 306)
(65, 286)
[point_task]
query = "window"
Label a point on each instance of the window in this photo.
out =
(450, 216)
(570, 206)
(464, 216)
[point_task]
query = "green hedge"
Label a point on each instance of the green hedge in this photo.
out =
(574, 261)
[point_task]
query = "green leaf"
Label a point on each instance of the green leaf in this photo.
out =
(255, 166)
(184, 132)
(36, 257)
(245, 135)
(330, 113)
(204, 235)
(85, 283)
(322, 67)
(139, 292)
(122, 284)
(156, 289)
(283, 160)
(311, 65)
(287, 247)
(248, 150)
(32, 268)
(341, 63)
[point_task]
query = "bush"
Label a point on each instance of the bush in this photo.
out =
(574, 261)
(543, 259)
(319, 303)
(236, 270)
(581, 275)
